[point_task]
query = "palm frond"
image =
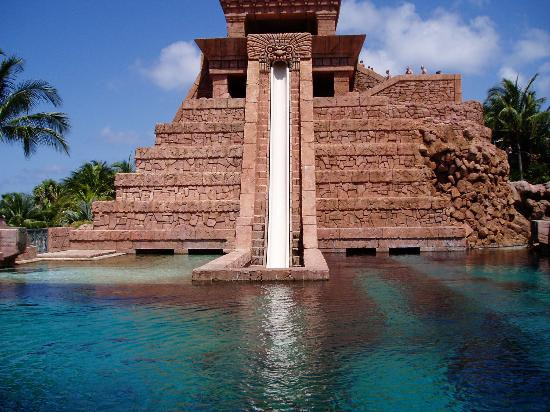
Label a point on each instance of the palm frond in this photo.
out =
(47, 120)
(17, 101)
(26, 96)
(514, 114)
(9, 69)
(92, 181)
(124, 166)
(32, 137)
(80, 212)
(530, 83)
(19, 209)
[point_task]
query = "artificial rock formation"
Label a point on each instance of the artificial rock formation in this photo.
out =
(375, 163)
(533, 201)
(472, 174)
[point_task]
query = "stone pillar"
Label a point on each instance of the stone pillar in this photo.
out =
(458, 88)
(235, 26)
(295, 162)
(326, 23)
(293, 49)
(262, 175)
(220, 88)
(341, 83)
(248, 173)
(309, 195)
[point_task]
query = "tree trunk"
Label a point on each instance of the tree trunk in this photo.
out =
(520, 162)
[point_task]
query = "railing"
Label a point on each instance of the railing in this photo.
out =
(38, 238)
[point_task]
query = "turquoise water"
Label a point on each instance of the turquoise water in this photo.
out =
(458, 332)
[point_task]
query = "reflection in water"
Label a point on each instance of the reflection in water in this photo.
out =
(431, 332)
(283, 349)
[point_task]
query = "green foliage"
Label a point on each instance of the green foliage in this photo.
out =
(50, 197)
(19, 209)
(538, 172)
(80, 213)
(18, 123)
(92, 181)
(521, 127)
(125, 166)
(66, 203)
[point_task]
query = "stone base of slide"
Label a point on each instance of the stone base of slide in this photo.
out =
(235, 267)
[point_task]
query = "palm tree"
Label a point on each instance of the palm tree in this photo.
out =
(18, 209)
(47, 192)
(18, 123)
(79, 214)
(51, 198)
(124, 166)
(518, 123)
(92, 181)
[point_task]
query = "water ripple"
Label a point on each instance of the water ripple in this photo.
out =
(432, 332)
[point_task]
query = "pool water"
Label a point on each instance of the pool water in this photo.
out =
(434, 332)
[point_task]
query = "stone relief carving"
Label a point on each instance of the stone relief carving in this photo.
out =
(290, 48)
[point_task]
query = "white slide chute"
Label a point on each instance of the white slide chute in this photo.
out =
(278, 232)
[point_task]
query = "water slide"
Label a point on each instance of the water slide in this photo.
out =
(278, 231)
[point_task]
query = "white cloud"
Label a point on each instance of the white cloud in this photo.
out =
(399, 36)
(533, 46)
(510, 73)
(176, 67)
(541, 85)
(118, 137)
(530, 54)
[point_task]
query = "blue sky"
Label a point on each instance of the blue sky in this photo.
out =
(123, 66)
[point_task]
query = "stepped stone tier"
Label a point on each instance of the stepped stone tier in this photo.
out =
(376, 163)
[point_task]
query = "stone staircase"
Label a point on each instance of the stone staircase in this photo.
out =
(374, 189)
(185, 192)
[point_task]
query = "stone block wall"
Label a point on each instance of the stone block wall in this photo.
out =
(13, 241)
(378, 185)
(427, 89)
(398, 163)
(158, 215)
(178, 187)
(214, 158)
(220, 110)
(447, 113)
(365, 79)
(199, 134)
(59, 239)
(186, 189)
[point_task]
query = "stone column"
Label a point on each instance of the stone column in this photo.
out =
(248, 173)
(235, 25)
(309, 196)
(326, 23)
(341, 83)
(295, 50)
(262, 174)
(220, 88)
